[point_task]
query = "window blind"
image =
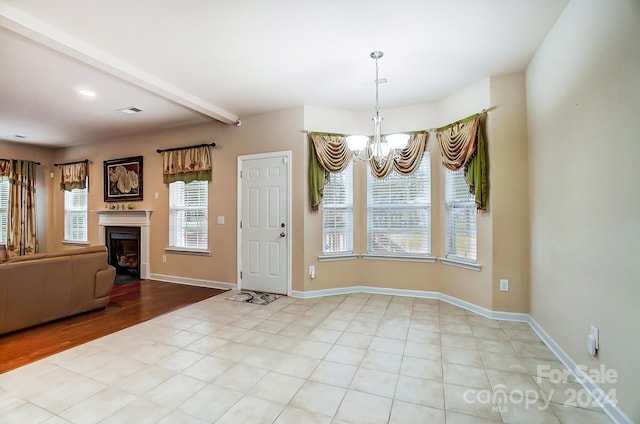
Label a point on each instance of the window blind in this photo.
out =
(75, 215)
(461, 223)
(188, 214)
(399, 212)
(337, 212)
(4, 202)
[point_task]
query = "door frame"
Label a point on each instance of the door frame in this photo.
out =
(286, 155)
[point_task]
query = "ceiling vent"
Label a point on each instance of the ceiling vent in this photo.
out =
(131, 109)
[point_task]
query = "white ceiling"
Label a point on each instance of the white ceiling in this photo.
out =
(192, 61)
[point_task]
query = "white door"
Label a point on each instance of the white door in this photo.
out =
(264, 222)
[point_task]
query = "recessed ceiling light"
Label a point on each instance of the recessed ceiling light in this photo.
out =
(86, 92)
(131, 109)
(18, 136)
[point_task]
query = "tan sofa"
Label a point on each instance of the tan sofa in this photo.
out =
(38, 288)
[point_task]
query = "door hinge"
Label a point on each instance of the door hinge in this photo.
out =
(240, 174)
(240, 224)
(241, 275)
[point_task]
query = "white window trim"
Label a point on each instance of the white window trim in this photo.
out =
(450, 259)
(461, 264)
(65, 241)
(350, 206)
(188, 251)
(75, 243)
(398, 257)
(338, 257)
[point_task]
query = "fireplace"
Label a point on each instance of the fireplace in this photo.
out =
(123, 245)
(132, 219)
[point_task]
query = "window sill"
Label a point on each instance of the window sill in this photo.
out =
(75, 243)
(380, 257)
(188, 251)
(461, 264)
(338, 257)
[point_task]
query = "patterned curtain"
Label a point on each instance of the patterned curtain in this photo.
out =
(190, 164)
(328, 153)
(4, 167)
(462, 144)
(408, 160)
(21, 213)
(73, 175)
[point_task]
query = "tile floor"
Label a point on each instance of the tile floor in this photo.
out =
(356, 358)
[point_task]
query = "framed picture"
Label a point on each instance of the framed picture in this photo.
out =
(123, 179)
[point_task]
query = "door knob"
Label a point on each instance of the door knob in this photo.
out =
(282, 234)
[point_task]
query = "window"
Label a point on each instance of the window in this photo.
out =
(337, 212)
(75, 215)
(461, 225)
(4, 203)
(188, 215)
(399, 212)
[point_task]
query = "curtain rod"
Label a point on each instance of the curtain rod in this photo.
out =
(37, 163)
(186, 147)
(71, 163)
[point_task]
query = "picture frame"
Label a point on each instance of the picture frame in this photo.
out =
(123, 179)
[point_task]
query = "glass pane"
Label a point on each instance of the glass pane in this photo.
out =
(399, 212)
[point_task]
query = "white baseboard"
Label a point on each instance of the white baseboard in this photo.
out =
(193, 282)
(609, 407)
(596, 392)
(505, 316)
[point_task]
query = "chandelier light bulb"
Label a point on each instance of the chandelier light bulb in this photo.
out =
(357, 143)
(397, 141)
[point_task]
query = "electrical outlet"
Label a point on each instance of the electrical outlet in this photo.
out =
(504, 285)
(594, 340)
(312, 271)
(164, 258)
(220, 219)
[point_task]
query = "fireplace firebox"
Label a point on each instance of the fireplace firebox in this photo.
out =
(123, 244)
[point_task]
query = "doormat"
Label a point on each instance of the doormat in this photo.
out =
(257, 298)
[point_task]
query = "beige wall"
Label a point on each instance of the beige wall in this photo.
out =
(583, 87)
(283, 131)
(278, 131)
(509, 198)
(502, 232)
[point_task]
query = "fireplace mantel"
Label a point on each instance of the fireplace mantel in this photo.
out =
(129, 218)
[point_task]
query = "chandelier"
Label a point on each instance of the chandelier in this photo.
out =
(378, 146)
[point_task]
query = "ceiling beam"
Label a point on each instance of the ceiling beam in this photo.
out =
(43, 33)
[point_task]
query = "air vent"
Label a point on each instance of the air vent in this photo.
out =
(131, 109)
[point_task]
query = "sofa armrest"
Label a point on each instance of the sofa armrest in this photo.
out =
(104, 281)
